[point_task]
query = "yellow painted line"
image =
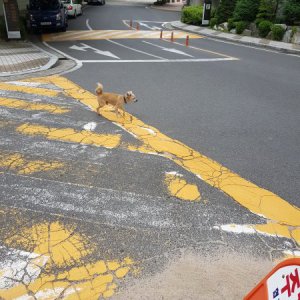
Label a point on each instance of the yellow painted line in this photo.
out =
(21, 104)
(257, 199)
(114, 34)
(28, 90)
(71, 135)
(66, 272)
(179, 188)
(18, 163)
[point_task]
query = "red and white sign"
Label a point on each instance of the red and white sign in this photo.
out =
(285, 284)
(282, 283)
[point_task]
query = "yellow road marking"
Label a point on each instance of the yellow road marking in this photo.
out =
(21, 104)
(28, 90)
(71, 135)
(258, 200)
(21, 165)
(179, 188)
(66, 274)
(114, 34)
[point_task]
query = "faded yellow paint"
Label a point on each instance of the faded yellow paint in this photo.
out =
(273, 229)
(66, 275)
(71, 135)
(122, 272)
(296, 235)
(113, 265)
(258, 200)
(179, 188)
(28, 90)
(114, 34)
(17, 162)
(21, 104)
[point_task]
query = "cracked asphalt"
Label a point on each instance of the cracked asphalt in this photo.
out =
(97, 206)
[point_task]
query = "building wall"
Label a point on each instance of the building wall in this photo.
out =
(22, 5)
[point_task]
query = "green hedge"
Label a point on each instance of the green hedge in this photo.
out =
(264, 28)
(277, 32)
(213, 22)
(240, 26)
(231, 24)
(192, 15)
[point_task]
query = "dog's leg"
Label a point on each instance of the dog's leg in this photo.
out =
(117, 111)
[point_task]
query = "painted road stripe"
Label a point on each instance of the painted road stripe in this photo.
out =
(85, 137)
(28, 90)
(159, 60)
(74, 276)
(21, 104)
(258, 200)
(21, 165)
(99, 205)
(114, 34)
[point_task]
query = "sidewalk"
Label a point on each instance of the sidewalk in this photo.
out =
(205, 31)
(19, 57)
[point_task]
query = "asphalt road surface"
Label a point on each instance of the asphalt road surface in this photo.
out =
(194, 194)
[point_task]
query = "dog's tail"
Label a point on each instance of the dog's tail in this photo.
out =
(99, 89)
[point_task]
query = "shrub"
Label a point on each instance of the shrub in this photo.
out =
(192, 15)
(225, 10)
(231, 24)
(292, 11)
(277, 32)
(264, 28)
(212, 22)
(246, 10)
(240, 26)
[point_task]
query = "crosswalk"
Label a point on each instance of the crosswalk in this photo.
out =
(114, 34)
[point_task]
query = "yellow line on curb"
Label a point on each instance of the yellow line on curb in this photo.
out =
(28, 90)
(21, 104)
(71, 135)
(258, 200)
(114, 34)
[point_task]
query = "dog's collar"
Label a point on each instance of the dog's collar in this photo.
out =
(125, 99)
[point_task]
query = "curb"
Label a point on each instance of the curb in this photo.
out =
(236, 41)
(165, 9)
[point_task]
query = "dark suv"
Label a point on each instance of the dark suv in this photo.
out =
(46, 14)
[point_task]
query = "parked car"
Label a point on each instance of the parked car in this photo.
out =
(99, 2)
(48, 14)
(74, 8)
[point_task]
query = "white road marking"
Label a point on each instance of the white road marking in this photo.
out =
(160, 60)
(90, 126)
(23, 83)
(20, 266)
(85, 47)
(88, 25)
(169, 49)
(234, 228)
(145, 25)
(133, 49)
(174, 173)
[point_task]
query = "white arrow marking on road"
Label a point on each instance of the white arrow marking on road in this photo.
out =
(85, 47)
(169, 49)
(145, 25)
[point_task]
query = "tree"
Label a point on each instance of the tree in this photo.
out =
(292, 11)
(268, 9)
(225, 10)
(246, 10)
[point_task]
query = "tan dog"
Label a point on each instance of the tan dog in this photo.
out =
(113, 99)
